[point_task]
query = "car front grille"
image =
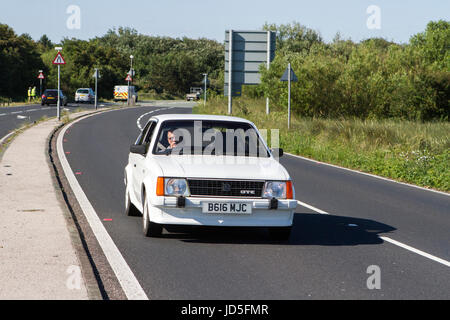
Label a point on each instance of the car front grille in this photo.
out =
(226, 188)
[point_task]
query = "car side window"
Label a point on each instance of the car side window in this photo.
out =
(143, 134)
(149, 135)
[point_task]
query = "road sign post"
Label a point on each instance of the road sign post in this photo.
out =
(206, 87)
(96, 76)
(289, 76)
(129, 79)
(269, 50)
(230, 73)
(289, 97)
(59, 60)
(58, 112)
(40, 77)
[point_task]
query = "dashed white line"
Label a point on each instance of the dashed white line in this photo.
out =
(392, 241)
(422, 253)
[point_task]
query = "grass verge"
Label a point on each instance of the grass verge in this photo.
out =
(412, 152)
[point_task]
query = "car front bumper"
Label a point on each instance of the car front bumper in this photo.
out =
(165, 211)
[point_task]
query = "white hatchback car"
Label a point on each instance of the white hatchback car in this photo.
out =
(207, 171)
(85, 95)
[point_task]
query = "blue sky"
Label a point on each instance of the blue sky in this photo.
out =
(400, 19)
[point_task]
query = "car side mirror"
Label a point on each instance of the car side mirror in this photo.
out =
(277, 152)
(138, 149)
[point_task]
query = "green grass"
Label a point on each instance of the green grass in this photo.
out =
(412, 152)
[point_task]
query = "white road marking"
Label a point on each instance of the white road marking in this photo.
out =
(392, 241)
(138, 122)
(6, 137)
(146, 114)
(125, 276)
(424, 254)
(369, 175)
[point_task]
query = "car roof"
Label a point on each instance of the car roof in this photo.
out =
(166, 117)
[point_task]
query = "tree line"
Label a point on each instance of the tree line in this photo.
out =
(371, 79)
(162, 64)
(374, 78)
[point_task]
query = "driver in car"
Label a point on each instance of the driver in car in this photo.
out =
(172, 139)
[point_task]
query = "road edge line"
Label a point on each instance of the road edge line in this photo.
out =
(124, 274)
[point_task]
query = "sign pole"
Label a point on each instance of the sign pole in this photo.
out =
(206, 88)
(59, 60)
(230, 73)
(40, 82)
(59, 92)
(96, 79)
(269, 49)
(128, 98)
(289, 96)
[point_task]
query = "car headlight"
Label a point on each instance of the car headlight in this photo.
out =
(176, 187)
(278, 190)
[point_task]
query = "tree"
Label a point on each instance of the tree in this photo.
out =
(19, 63)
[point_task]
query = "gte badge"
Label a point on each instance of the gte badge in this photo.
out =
(226, 187)
(248, 192)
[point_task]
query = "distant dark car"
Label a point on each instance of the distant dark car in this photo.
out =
(50, 96)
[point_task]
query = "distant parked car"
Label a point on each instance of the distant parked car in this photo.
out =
(85, 95)
(50, 96)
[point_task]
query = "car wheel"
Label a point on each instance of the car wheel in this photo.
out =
(281, 233)
(130, 209)
(151, 229)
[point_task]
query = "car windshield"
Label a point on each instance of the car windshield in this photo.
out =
(200, 137)
(83, 91)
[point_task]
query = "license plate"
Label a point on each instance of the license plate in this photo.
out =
(227, 208)
(50, 98)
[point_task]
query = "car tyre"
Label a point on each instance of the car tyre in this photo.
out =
(280, 233)
(151, 229)
(130, 209)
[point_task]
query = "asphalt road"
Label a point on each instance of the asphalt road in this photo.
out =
(327, 257)
(12, 118)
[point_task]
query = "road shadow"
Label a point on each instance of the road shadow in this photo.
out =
(308, 229)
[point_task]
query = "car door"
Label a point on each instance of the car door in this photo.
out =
(139, 163)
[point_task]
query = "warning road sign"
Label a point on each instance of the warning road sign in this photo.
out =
(128, 78)
(59, 59)
(41, 76)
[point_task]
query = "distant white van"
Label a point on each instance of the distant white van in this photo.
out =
(121, 93)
